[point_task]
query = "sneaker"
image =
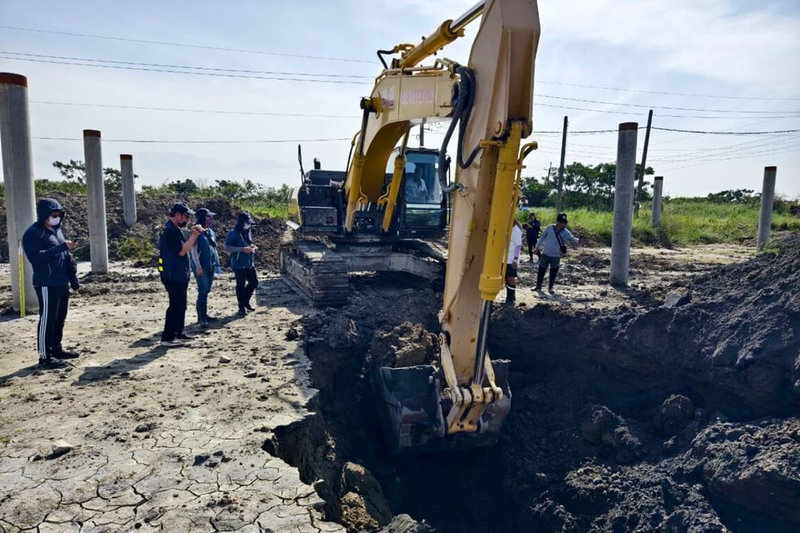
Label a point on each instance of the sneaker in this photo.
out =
(184, 337)
(242, 312)
(249, 307)
(61, 354)
(212, 319)
(551, 290)
(538, 288)
(172, 343)
(51, 362)
(203, 324)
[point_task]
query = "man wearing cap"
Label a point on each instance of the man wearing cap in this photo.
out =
(205, 262)
(239, 243)
(173, 265)
(550, 247)
(53, 274)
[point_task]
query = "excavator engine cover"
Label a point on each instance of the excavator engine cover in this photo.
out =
(413, 413)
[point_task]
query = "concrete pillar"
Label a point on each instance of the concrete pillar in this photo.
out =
(96, 200)
(20, 196)
(767, 197)
(128, 192)
(658, 186)
(623, 203)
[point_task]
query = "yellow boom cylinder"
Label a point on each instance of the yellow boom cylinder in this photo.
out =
(501, 216)
(430, 45)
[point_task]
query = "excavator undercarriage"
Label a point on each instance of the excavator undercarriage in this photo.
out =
(320, 270)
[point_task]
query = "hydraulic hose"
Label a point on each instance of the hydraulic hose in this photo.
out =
(464, 99)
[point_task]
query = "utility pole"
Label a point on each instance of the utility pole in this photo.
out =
(623, 206)
(638, 200)
(767, 198)
(561, 166)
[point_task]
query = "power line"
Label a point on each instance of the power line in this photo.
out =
(612, 112)
(189, 67)
(196, 141)
(585, 100)
(700, 132)
(187, 110)
(184, 45)
(584, 86)
(121, 67)
(749, 156)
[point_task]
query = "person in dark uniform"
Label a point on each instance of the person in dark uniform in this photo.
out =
(173, 266)
(239, 243)
(53, 273)
(532, 230)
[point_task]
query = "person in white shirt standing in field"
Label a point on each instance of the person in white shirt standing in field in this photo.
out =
(514, 249)
(551, 247)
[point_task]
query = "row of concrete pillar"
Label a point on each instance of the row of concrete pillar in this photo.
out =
(15, 137)
(623, 203)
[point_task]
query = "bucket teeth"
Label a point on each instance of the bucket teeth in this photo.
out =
(413, 411)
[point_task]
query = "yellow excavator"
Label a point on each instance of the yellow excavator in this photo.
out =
(462, 399)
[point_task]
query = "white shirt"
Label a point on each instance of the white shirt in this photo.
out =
(515, 246)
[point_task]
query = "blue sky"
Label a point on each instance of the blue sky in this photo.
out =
(740, 60)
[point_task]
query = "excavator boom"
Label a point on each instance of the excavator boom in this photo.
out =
(463, 400)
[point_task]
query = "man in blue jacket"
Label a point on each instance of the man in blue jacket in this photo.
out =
(205, 262)
(239, 243)
(53, 273)
(173, 265)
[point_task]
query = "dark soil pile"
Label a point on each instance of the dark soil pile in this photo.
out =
(676, 416)
(151, 213)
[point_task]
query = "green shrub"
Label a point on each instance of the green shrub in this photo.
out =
(136, 249)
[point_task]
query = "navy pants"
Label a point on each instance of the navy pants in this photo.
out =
(246, 283)
(53, 305)
(176, 312)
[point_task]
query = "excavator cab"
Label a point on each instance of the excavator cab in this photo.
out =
(423, 211)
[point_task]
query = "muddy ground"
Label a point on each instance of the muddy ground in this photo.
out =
(627, 415)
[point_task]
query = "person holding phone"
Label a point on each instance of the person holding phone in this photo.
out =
(551, 247)
(205, 263)
(53, 273)
(239, 243)
(173, 266)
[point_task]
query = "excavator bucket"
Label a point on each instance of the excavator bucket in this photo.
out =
(413, 412)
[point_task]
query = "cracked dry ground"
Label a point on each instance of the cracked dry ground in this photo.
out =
(164, 440)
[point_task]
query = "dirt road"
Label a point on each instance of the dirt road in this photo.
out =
(161, 440)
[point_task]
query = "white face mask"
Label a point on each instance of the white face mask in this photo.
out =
(54, 221)
(246, 226)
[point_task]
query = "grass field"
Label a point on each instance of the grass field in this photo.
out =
(682, 222)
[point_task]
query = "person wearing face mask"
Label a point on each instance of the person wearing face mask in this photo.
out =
(53, 273)
(239, 243)
(205, 263)
(173, 266)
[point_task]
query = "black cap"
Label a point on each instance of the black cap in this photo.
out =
(203, 213)
(562, 217)
(180, 207)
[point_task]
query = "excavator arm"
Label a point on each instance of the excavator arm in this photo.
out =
(463, 401)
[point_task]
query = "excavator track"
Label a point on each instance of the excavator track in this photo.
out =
(313, 269)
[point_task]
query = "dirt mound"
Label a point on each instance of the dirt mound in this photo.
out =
(739, 332)
(143, 235)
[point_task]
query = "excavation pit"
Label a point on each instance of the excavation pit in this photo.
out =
(626, 418)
